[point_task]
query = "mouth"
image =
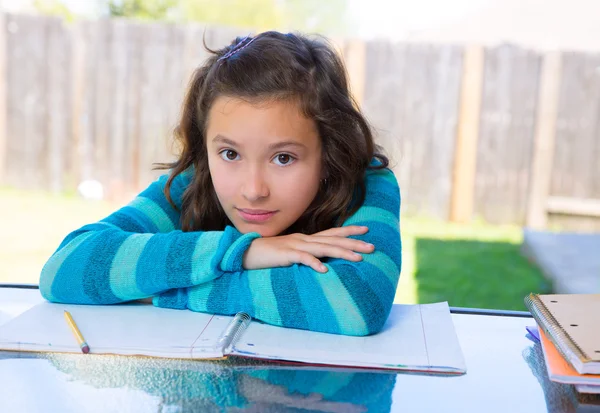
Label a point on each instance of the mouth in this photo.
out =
(255, 215)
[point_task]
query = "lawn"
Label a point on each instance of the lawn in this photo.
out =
(474, 265)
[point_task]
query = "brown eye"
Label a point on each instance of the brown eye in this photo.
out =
(229, 155)
(284, 159)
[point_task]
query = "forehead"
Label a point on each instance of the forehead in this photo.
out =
(243, 120)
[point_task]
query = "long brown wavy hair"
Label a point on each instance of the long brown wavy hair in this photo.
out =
(273, 66)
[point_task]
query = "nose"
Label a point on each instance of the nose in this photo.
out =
(255, 186)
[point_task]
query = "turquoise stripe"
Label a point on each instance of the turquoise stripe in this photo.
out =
(263, 296)
(55, 262)
(202, 269)
(370, 213)
(331, 383)
(341, 302)
(231, 262)
(259, 374)
(123, 282)
(154, 212)
(384, 263)
(386, 174)
(198, 297)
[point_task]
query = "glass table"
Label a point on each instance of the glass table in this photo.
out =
(506, 373)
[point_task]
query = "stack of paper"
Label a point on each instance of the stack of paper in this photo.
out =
(560, 371)
(570, 336)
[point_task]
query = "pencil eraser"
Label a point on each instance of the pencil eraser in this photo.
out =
(85, 349)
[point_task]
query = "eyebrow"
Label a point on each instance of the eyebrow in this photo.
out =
(273, 146)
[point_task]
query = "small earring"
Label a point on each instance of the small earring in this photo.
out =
(324, 181)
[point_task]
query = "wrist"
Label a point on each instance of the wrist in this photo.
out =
(234, 257)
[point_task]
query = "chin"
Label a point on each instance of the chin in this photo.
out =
(264, 231)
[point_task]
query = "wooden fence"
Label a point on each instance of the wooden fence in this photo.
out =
(504, 134)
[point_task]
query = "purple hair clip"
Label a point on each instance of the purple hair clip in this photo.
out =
(236, 48)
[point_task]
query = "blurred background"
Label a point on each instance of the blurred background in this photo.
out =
(489, 110)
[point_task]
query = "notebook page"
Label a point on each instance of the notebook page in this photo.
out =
(415, 337)
(127, 329)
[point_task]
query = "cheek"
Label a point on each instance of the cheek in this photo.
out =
(299, 191)
(222, 180)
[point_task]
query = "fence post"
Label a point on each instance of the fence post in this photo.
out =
(354, 59)
(465, 154)
(543, 149)
(3, 99)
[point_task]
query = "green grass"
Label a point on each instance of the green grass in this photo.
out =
(474, 265)
(34, 224)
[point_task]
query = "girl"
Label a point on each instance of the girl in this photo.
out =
(279, 204)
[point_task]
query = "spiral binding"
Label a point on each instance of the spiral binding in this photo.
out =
(564, 343)
(233, 331)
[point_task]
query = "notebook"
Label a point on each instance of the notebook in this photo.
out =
(572, 323)
(559, 370)
(584, 388)
(415, 337)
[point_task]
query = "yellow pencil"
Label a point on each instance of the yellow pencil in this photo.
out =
(84, 346)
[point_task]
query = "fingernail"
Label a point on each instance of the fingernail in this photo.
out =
(323, 268)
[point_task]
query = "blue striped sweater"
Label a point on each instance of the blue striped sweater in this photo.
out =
(140, 251)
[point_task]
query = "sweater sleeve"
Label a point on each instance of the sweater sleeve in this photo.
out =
(351, 298)
(138, 252)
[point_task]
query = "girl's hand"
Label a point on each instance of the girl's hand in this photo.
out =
(285, 250)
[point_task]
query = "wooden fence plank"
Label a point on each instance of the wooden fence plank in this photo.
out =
(506, 132)
(26, 162)
(354, 59)
(575, 169)
(58, 101)
(465, 155)
(135, 41)
(117, 159)
(91, 32)
(446, 97)
(573, 206)
(518, 151)
(385, 69)
(541, 171)
(153, 132)
(104, 81)
(176, 83)
(77, 67)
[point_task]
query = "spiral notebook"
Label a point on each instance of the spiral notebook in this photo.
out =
(572, 323)
(415, 337)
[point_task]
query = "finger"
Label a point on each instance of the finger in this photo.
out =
(305, 258)
(320, 250)
(347, 243)
(343, 231)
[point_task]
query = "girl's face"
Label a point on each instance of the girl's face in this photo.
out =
(264, 161)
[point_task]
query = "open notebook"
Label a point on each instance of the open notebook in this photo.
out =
(415, 337)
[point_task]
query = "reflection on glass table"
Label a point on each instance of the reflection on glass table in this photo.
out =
(151, 384)
(505, 372)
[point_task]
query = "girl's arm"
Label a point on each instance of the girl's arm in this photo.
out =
(351, 298)
(138, 252)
